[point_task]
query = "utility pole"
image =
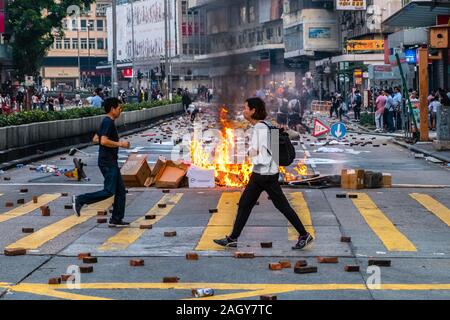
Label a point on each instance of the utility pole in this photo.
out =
(114, 52)
(423, 82)
(166, 47)
(132, 45)
(170, 50)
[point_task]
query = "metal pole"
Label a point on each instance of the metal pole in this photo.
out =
(89, 51)
(166, 46)
(79, 64)
(114, 52)
(133, 81)
(170, 50)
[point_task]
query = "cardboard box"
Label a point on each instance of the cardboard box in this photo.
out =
(354, 180)
(135, 171)
(344, 179)
(387, 180)
(160, 165)
(201, 178)
(172, 175)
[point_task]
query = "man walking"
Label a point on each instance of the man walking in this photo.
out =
(108, 138)
(380, 104)
(264, 178)
(357, 105)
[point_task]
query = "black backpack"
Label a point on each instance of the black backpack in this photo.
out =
(286, 148)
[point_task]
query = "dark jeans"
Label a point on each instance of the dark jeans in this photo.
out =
(257, 184)
(357, 111)
(113, 186)
(390, 121)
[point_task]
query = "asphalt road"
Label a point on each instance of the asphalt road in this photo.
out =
(408, 226)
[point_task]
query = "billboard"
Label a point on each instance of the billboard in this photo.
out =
(351, 5)
(147, 17)
(319, 33)
(365, 45)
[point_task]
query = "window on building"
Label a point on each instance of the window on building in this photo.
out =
(185, 48)
(83, 43)
(234, 16)
(83, 25)
(106, 44)
(74, 24)
(99, 25)
(91, 43)
(269, 33)
(243, 15)
(184, 7)
(74, 43)
(100, 44)
(65, 24)
(58, 44)
(91, 25)
(67, 44)
(251, 11)
(101, 9)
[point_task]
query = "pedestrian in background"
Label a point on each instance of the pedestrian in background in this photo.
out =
(108, 139)
(61, 101)
(379, 112)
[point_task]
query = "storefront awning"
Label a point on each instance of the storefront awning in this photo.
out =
(418, 14)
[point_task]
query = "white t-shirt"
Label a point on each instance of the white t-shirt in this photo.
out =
(434, 106)
(260, 153)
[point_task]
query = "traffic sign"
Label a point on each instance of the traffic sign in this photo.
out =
(320, 128)
(338, 130)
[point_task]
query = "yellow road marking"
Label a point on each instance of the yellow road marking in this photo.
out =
(28, 207)
(252, 290)
(123, 239)
(221, 223)
(435, 207)
(300, 206)
(391, 237)
(37, 239)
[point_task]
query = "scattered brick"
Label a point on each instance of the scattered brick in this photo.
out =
(376, 145)
(351, 269)
(213, 210)
(353, 196)
(83, 255)
(35, 199)
(304, 270)
(171, 279)
(102, 213)
(23, 190)
(86, 269)
(65, 277)
(341, 196)
(301, 264)
(266, 244)
(161, 205)
(244, 255)
(166, 191)
(346, 239)
(62, 158)
(15, 252)
(27, 230)
(275, 266)
(45, 211)
(170, 234)
(32, 168)
(7, 178)
(150, 217)
(9, 204)
(267, 298)
(54, 280)
(67, 206)
(145, 226)
(285, 264)
(21, 201)
(327, 260)
(90, 260)
(191, 256)
(380, 263)
(102, 220)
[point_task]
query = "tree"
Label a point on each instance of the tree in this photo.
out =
(34, 25)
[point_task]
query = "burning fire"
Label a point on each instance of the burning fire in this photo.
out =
(227, 172)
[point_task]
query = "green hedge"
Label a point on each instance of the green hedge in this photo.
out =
(367, 119)
(27, 117)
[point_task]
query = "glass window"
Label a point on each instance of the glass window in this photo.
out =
(251, 12)
(74, 24)
(66, 43)
(83, 43)
(91, 25)
(74, 43)
(99, 25)
(243, 15)
(100, 44)
(91, 43)
(58, 44)
(83, 25)
(106, 43)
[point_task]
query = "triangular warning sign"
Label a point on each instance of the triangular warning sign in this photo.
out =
(320, 128)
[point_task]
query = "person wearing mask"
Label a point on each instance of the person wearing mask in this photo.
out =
(61, 101)
(264, 177)
(379, 111)
(357, 104)
(398, 104)
(96, 101)
(389, 109)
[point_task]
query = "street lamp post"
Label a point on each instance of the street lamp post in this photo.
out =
(114, 52)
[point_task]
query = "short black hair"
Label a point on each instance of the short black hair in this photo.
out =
(260, 106)
(111, 103)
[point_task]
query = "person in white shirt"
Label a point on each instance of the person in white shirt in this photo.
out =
(264, 177)
(433, 109)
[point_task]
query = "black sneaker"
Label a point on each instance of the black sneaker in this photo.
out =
(118, 224)
(76, 206)
(303, 241)
(226, 242)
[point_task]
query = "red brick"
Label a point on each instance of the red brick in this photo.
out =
(9, 204)
(380, 263)
(102, 213)
(285, 264)
(213, 210)
(27, 230)
(35, 199)
(267, 298)
(65, 277)
(86, 269)
(7, 178)
(137, 262)
(15, 252)
(162, 205)
(244, 255)
(90, 260)
(54, 281)
(303, 270)
(45, 211)
(346, 239)
(275, 266)
(21, 201)
(266, 244)
(102, 220)
(64, 194)
(170, 234)
(327, 260)
(166, 191)
(171, 279)
(351, 268)
(83, 255)
(145, 226)
(67, 207)
(62, 158)
(301, 264)
(23, 190)
(150, 217)
(191, 256)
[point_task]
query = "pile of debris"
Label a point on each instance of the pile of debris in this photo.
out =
(360, 179)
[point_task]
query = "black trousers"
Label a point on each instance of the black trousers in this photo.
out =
(257, 184)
